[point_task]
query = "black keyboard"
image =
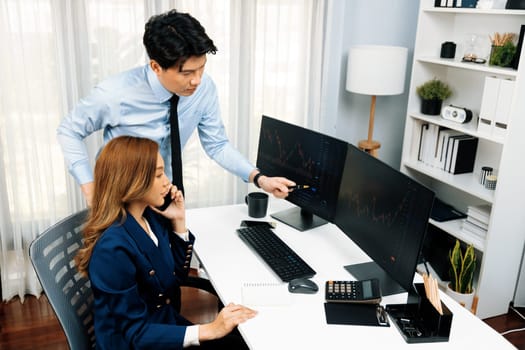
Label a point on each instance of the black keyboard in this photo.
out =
(277, 254)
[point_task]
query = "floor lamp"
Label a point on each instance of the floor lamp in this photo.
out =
(375, 70)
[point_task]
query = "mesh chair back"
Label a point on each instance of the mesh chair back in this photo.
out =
(52, 254)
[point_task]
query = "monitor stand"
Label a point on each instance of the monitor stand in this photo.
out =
(299, 219)
(370, 270)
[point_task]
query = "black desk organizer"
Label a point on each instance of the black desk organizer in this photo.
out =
(418, 321)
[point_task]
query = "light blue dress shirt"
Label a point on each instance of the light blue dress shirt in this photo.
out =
(135, 103)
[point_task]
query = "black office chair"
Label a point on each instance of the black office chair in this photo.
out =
(52, 254)
(69, 293)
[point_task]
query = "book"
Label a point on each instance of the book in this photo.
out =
(471, 228)
(430, 141)
(422, 141)
(442, 146)
(436, 145)
(479, 223)
(450, 149)
(470, 238)
(463, 155)
(480, 212)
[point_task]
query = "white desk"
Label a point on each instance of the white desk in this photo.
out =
(301, 324)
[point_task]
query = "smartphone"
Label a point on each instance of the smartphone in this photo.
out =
(167, 201)
(251, 223)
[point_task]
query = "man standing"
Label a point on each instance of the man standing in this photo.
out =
(137, 103)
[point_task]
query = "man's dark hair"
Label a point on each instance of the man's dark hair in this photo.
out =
(173, 37)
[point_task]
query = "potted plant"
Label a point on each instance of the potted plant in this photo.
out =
(503, 49)
(432, 94)
(462, 266)
(502, 55)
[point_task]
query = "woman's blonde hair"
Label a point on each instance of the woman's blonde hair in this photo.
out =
(124, 171)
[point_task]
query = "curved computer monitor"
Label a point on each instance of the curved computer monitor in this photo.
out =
(308, 158)
(385, 213)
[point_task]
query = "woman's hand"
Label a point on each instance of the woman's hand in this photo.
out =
(228, 318)
(176, 211)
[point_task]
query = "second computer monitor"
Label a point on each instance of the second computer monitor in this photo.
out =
(385, 213)
(308, 158)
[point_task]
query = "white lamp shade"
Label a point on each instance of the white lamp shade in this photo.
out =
(376, 70)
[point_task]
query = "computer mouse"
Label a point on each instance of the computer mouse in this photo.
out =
(302, 285)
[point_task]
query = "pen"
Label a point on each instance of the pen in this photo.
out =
(298, 187)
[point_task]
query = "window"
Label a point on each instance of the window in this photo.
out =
(57, 51)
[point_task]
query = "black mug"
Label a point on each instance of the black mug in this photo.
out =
(257, 204)
(448, 49)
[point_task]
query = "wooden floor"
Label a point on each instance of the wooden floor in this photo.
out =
(513, 320)
(33, 324)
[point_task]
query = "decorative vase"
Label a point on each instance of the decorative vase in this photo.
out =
(431, 107)
(463, 299)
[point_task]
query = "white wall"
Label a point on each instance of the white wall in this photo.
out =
(344, 114)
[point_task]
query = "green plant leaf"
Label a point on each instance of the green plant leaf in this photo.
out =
(455, 265)
(462, 267)
(434, 89)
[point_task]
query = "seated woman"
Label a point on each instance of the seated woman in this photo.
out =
(136, 257)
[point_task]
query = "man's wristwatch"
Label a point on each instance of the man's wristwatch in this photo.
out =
(256, 180)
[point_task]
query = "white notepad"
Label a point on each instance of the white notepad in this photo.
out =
(265, 294)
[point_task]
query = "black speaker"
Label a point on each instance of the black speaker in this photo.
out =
(515, 5)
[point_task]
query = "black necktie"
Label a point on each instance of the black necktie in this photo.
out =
(176, 154)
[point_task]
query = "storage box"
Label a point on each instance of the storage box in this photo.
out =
(418, 321)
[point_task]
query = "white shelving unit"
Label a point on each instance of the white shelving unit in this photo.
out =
(501, 251)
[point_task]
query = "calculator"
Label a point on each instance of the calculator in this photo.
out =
(363, 291)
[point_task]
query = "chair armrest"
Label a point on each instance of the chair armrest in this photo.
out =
(199, 283)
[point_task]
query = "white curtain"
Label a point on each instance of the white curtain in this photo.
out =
(54, 51)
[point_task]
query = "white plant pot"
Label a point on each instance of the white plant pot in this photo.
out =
(463, 299)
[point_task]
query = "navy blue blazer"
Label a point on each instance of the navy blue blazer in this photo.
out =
(136, 285)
